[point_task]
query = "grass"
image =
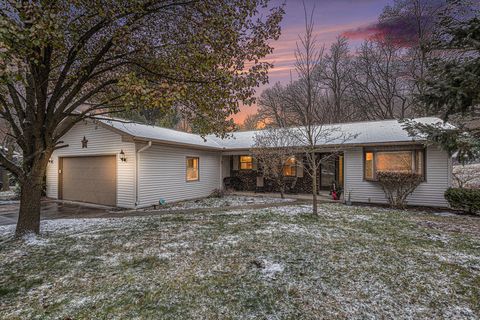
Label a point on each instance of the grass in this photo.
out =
(275, 263)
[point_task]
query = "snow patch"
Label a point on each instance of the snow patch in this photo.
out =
(457, 312)
(293, 210)
(271, 269)
(81, 302)
(444, 214)
(165, 255)
(438, 237)
(31, 239)
(226, 241)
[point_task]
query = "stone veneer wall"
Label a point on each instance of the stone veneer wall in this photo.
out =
(247, 181)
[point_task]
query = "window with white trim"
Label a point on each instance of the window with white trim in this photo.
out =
(193, 169)
(409, 161)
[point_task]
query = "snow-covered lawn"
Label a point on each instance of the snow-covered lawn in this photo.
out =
(274, 263)
(8, 195)
(227, 201)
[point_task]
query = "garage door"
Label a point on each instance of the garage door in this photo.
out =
(89, 179)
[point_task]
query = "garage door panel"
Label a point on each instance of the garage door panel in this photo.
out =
(90, 179)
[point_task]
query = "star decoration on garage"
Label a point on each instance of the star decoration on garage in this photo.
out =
(84, 142)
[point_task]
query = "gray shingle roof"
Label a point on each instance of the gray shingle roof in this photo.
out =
(372, 132)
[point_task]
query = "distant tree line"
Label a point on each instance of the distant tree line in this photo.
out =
(391, 75)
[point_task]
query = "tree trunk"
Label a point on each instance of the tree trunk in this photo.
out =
(29, 214)
(5, 180)
(314, 191)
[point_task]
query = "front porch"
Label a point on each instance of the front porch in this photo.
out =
(242, 173)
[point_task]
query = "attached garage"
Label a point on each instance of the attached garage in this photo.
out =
(128, 165)
(88, 179)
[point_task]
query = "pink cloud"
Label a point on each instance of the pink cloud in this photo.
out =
(364, 32)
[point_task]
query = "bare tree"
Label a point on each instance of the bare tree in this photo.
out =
(308, 58)
(335, 76)
(273, 109)
(415, 21)
(273, 149)
(379, 85)
(251, 122)
(305, 98)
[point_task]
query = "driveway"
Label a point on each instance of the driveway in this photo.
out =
(55, 209)
(52, 209)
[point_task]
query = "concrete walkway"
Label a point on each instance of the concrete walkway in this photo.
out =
(324, 196)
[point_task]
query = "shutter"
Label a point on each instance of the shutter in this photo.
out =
(254, 164)
(236, 159)
(300, 168)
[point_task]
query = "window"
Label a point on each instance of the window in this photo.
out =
(246, 162)
(410, 161)
(369, 166)
(192, 169)
(290, 167)
(340, 170)
(419, 159)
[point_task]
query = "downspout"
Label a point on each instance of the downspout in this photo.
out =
(149, 144)
(220, 184)
(222, 159)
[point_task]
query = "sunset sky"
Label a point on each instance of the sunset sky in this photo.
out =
(354, 18)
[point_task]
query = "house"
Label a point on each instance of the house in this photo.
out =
(134, 165)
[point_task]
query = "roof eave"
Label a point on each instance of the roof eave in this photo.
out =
(174, 143)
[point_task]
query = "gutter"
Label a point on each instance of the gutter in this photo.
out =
(235, 151)
(149, 144)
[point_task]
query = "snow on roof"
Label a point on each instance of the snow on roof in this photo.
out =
(368, 132)
(371, 132)
(159, 134)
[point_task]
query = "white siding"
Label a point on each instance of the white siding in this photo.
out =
(162, 171)
(225, 166)
(162, 174)
(429, 193)
(101, 141)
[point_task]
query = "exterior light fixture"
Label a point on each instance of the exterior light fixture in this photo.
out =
(50, 160)
(122, 156)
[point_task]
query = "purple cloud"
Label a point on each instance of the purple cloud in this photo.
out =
(402, 30)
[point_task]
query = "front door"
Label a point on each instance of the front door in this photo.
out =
(327, 173)
(331, 170)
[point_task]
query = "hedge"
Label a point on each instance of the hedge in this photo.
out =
(464, 199)
(398, 186)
